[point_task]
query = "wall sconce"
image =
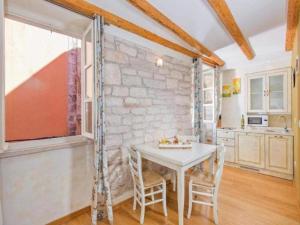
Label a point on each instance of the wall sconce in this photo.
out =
(159, 62)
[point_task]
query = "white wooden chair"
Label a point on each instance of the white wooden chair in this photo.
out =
(146, 184)
(206, 185)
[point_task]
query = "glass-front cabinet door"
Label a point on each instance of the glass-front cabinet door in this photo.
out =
(256, 93)
(277, 92)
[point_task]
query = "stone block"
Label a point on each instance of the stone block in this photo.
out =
(138, 111)
(115, 56)
(128, 70)
(113, 120)
(176, 75)
(183, 100)
(154, 83)
(138, 92)
(145, 74)
(120, 110)
(131, 80)
(117, 129)
(159, 77)
(112, 74)
(128, 50)
(120, 91)
(172, 83)
(131, 101)
(139, 133)
(113, 101)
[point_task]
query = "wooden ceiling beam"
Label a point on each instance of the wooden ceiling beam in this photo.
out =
(223, 12)
(156, 15)
(87, 9)
(292, 21)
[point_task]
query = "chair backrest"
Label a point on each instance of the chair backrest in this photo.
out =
(135, 164)
(189, 138)
(220, 164)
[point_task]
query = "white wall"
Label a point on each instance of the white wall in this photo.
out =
(270, 54)
(39, 188)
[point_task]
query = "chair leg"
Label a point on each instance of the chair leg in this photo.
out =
(152, 196)
(216, 219)
(174, 181)
(165, 198)
(142, 211)
(190, 199)
(134, 199)
(215, 209)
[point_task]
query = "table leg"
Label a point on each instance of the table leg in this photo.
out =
(212, 164)
(180, 195)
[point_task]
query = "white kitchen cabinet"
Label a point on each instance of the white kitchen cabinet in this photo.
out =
(226, 137)
(256, 93)
(279, 153)
(269, 92)
(250, 149)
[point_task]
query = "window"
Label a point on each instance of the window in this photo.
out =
(87, 83)
(42, 83)
(208, 104)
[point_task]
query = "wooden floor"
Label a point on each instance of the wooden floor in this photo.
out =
(245, 198)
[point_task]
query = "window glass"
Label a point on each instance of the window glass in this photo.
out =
(42, 83)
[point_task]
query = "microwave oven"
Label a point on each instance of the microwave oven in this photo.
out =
(258, 120)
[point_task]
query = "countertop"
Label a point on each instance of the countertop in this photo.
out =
(261, 130)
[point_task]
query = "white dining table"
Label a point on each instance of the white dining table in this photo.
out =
(179, 160)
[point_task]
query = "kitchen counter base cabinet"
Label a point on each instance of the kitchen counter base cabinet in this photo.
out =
(265, 153)
(250, 149)
(279, 154)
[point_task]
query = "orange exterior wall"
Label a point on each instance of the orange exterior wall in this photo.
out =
(38, 107)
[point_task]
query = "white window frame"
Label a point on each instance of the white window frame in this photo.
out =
(30, 146)
(209, 89)
(84, 99)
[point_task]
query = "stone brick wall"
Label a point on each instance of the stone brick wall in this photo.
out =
(143, 103)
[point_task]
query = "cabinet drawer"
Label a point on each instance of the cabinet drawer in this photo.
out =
(225, 134)
(225, 141)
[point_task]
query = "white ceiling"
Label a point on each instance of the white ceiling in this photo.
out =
(198, 19)
(194, 16)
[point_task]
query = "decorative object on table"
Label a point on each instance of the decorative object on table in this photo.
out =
(226, 91)
(236, 85)
(166, 143)
(219, 123)
(101, 195)
(243, 122)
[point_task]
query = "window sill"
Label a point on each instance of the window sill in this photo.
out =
(37, 146)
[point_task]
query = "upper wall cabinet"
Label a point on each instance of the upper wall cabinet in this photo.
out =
(269, 92)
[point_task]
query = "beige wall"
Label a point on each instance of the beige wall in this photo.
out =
(39, 188)
(296, 109)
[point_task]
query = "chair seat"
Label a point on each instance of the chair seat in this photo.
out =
(151, 178)
(202, 178)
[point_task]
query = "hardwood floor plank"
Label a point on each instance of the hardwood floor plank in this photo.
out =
(245, 198)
